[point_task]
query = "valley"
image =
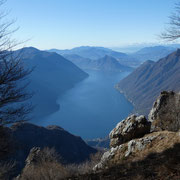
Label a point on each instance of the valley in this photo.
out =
(92, 107)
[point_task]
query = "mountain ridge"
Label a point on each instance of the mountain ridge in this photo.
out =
(106, 63)
(44, 82)
(109, 63)
(149, 79)
(153, 53)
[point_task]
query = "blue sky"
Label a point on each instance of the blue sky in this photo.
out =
(69, 23)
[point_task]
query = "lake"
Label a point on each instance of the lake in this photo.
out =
(93, 107)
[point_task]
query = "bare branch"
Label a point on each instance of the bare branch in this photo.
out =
(173, 31)
(13, 77)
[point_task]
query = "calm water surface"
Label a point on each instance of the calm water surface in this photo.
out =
(93, 107)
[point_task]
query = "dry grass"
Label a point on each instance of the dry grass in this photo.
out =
(163, 140)
(7, 170)
(156, 166)
(44, 166)
(48, 167)
(44, 171)
(86, 167)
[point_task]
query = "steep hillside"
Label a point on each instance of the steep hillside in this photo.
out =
(72, 149)
(52, 76)
(153, 53)
(146, 82)
(23, 138)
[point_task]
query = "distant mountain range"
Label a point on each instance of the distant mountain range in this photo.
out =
(52, 76)
(144, 84)
(95, 53)
(92, 53)
(153, 53)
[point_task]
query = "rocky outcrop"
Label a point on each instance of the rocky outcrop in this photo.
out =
(33, 156)
(159, 159)
(165, 114)
(132, 140)
(138, 149)
(37, 156)
(128, 129)
(145, 84)
(43, 164)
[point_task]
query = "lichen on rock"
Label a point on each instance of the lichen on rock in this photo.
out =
(165, 114)
(128, 129)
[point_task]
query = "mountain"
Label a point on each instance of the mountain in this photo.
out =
(153, 53)
(108, 63)
(90, 52)
(72, 149)
(144, 84)
(51, 77)
(23, 137)
(95, 53)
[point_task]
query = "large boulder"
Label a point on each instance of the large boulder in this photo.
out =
(128, 129)
(165, 114)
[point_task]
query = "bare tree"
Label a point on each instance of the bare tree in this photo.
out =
(13, 95)
(173, 31)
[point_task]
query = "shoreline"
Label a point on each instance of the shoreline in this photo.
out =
(122, 92)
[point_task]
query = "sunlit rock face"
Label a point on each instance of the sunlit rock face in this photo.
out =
(128, 129)
(165, 114)
(133, 140)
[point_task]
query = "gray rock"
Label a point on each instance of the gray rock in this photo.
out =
(128, 129)
(125, 150)
(138, 145)
(33, 156)
(106, 156)
(165, 114)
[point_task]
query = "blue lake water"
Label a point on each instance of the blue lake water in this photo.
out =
(93, 107)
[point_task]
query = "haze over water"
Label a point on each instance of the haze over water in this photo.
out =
(93, 107)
